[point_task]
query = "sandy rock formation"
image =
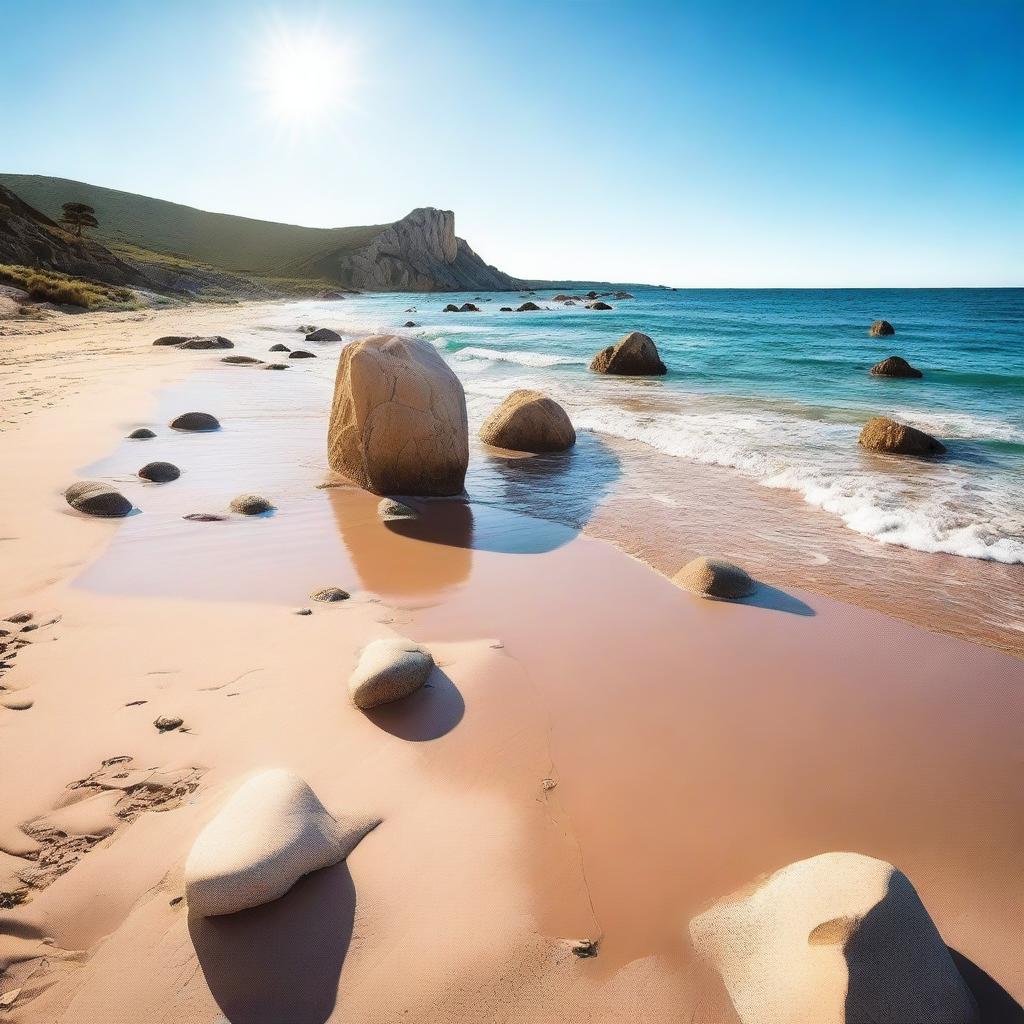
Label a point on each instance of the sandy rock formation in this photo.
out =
(323, 334)
(882, 434)
(97, 499)
(389, 670)
(881, 329)
(529, 421)
(271, 832)
(159, 472)
(633, 355)
(195, 421)
(895, 366)
(714, 577)
(388, 509)
(836, 939)
(250, 505)
(398, 423)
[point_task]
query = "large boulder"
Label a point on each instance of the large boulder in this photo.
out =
(895, 366)
(398, 422)
(389, 670)
(633, 355)
(529, 421)
(881, 329)
(882, 434)
(323, 334)
(714, 577)
(837, 939)
(271, 832)
(97, 499)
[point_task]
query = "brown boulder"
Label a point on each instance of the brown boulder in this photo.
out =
(529, 421)
(714, 577)
(633, 355)
(398, 421)
(881, 329)
(882, 434)
(895, 366)
(97, 499)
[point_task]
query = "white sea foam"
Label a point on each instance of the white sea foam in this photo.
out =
(519, 357)
(821, 462)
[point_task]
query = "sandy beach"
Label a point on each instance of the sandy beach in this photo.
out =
(598, 756)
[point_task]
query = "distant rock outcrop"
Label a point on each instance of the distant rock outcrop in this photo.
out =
(398, 421)
(881, 329)
(419, 253)
(29, 238)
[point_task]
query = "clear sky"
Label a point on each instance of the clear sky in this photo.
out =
(710, 143)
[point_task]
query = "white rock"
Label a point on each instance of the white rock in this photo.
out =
(270, 833)
(837, 939)
(389, 670)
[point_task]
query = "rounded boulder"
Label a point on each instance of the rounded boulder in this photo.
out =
(196, 422)
(529, 421)
(633, 355)
(398, 420)
(389, 670)
(895, 366)
(882, 434)
(97, 499)
(715, 577)
(159, 472)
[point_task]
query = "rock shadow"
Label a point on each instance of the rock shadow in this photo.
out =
(905, 980)
(280, 963)
(777, 600)
(995, 1004)
(433, 710)
(561, 487)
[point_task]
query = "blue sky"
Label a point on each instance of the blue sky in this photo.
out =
(692, 144)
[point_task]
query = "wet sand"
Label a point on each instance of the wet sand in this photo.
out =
(599, 756)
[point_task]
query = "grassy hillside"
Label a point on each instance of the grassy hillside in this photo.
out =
(132, 224)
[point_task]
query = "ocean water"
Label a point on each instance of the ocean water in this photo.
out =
(773, 384)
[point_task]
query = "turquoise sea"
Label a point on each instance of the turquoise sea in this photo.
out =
(774, 385)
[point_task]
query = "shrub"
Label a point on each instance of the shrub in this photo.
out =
(63, 289)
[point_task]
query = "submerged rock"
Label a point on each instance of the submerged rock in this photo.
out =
(195, 421)
(527, 307)
(301, 354)
(398, 421)
(141, 434)
(330, 594)
(633, 355)
(160, 472)
(834, 939)
(598, 305)
(271, 832)
(895, 366)
(389, 670)
(389, 509)
(450, 308)
(881, 329)
(250, 505)
(97, 499)
(323, 334)
(882, 434)
(505, 309)
(468, 307)
(529, 421)
(410, 323)
(714, 577)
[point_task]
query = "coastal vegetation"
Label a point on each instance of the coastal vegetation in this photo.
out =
(64, 289)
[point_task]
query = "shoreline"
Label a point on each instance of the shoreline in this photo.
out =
(635, 699)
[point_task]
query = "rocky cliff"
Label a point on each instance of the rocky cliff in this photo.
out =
(28, 238)
(419, 253)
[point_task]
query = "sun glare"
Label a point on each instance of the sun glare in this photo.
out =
(303, 74)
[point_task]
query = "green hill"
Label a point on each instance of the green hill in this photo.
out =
(131, 224)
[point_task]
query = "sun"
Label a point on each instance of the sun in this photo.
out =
(303, 74)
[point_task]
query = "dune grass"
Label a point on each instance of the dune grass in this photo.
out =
(63, 289)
